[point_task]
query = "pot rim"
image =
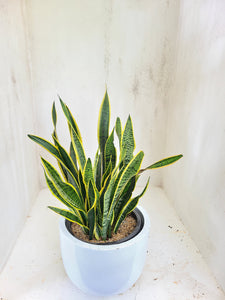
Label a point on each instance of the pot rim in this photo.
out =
(137, 215)
(107, 246)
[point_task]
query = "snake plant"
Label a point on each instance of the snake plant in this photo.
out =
(97, 194)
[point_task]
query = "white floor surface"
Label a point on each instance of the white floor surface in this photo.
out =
(174, 268)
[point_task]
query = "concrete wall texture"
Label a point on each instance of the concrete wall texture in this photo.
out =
(196, 127)
(18, 160)
(161, 64)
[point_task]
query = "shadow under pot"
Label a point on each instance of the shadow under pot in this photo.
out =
(109, 268)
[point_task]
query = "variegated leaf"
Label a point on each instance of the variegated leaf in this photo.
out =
(162, 163)
(66, 190)
(119, 130)
(70, 119)
(103, 128)
(110, 151)
(78, 147)
(128, 208)
(67, 215)
(128, 142)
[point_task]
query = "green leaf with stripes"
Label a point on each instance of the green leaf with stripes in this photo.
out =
(128, 142)
(119, 130)
(70, 119)
(88, 172)
(73, 155)
(91, 222)
(66, 159)
(131, 170)
(106, 204)
(128, 208)
(67, 215)
(107, 173)
(125, 196)
(55, 192)
(97, 171)
(45, 144)
(92, 211)
(82, 185)
(110, 151)
(78, 147)
(66, 190)
(91, 195)
(103, 128)
(162, 163)
(54, 115)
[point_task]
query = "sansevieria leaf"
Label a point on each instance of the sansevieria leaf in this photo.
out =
(88, 172)
(92, 211)
(70, 118)
(66, 190)
(45, 144)
(78, 147)
(66, 158)
(97, 171)
(128, 142)
(54, 115)
(73, 155)
(106, 204)
(55, 192)
(162, 163)
(119, 130)
(50, 148)
(110, 151)
(67, 215)
(131, 170)
(125, 196)
(103, 128)
(130, 205)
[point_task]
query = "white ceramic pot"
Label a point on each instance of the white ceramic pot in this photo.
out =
(104, 269)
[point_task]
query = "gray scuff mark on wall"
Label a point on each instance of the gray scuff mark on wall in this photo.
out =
(151, 74)
(163, 75)
(135, 87)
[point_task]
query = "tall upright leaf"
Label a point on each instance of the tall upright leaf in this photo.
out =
(130, 171)
(78, 147)
(128, 207)
(66, 159)
(119, 130)
(128, 142)
(125, 195)
(73, 155)
(103, 128)
(70, 118)
(54, 115)
(110, 151)
(97, 170)
(88, 172)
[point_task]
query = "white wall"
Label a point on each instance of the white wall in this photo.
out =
(196, 128)
(79, 46)
(161, 71)
(18, 172)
